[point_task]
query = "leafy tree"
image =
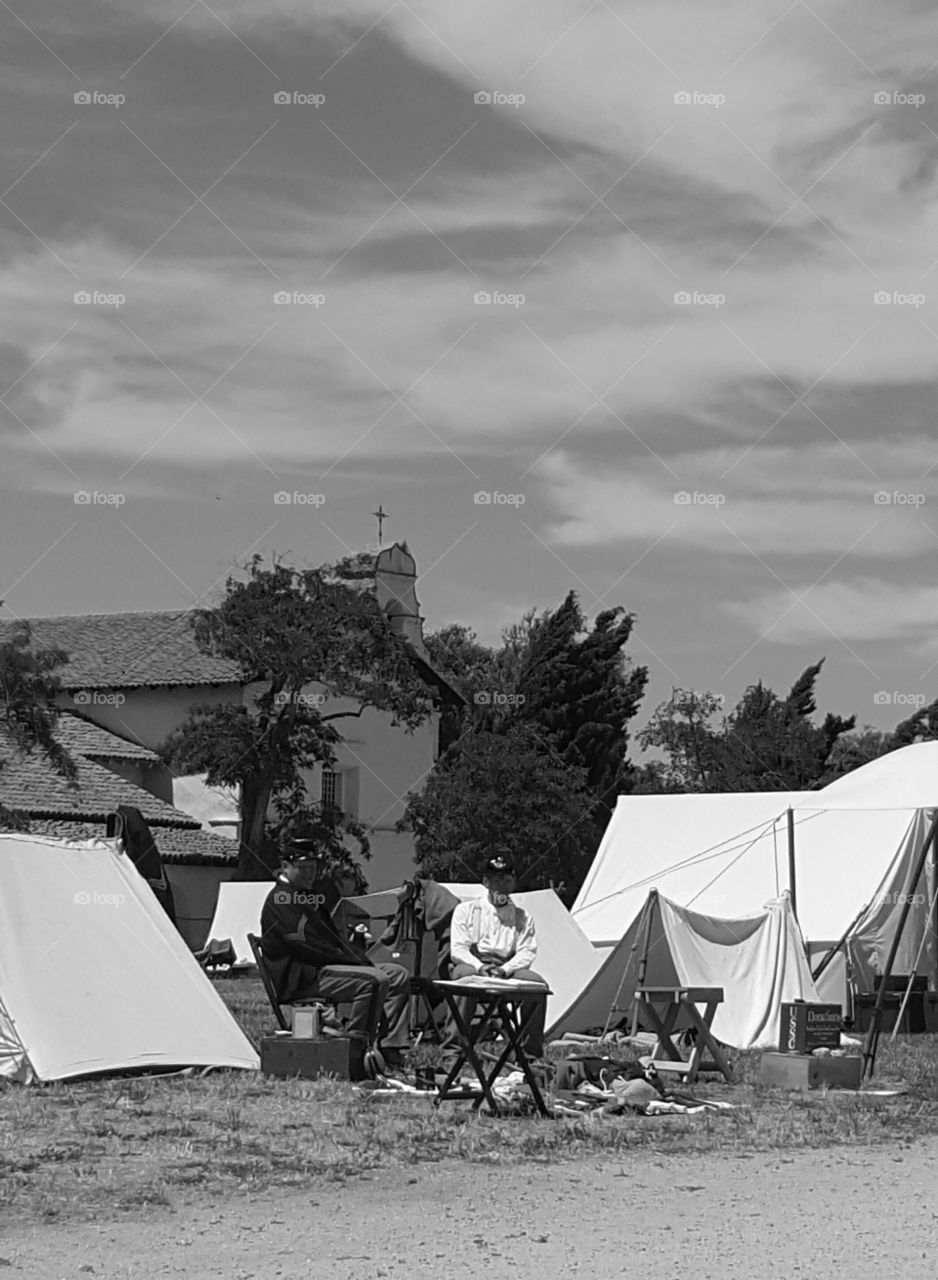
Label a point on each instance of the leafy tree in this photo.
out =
(765, 743)
(852, 750)
(288, 629)
(684, 729)
(456, 653)
(30, 683)
(504, 793)
(920, 727)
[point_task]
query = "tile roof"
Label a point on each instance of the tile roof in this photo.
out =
(176, 846)
(83, 737)
(129, 650)
(29, 785)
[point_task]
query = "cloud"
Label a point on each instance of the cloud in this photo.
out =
(867, 609)
(773, 500)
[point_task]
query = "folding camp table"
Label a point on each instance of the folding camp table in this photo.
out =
(674, 1001)
(501, 1009)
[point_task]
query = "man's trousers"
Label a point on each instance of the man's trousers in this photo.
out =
(383, 989)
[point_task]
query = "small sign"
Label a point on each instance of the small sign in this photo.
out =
(805, 1027)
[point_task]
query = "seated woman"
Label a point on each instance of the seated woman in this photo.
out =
(492, 937)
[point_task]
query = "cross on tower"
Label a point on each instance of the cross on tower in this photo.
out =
(380, 515)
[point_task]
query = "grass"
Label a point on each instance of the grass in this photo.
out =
(132, 1144)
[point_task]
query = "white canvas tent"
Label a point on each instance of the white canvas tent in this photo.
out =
(238, 913)
(93, 976)
(726, 855)
(759, 961)
(902, 786)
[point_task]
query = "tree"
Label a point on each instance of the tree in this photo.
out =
(30, 683)
(288, 629)
(684, 729)
(855, 749)
(579, 688)
(504, 793)
(920, 727)
(770, 744)
(765, 743)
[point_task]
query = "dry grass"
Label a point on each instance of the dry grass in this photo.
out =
(98, 1147)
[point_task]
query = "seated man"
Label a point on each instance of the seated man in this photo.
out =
(491, 936)
(308, 959)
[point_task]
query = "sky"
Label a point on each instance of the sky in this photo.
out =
(637, 298)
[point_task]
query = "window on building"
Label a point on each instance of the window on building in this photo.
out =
(331, 793)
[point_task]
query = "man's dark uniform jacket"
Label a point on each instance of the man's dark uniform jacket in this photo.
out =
(298, 938)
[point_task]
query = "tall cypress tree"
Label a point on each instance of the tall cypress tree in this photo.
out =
(582, 690)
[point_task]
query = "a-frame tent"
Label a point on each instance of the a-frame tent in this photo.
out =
(759, 961)
(93, 976)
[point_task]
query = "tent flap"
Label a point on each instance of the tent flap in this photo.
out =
(759, 962)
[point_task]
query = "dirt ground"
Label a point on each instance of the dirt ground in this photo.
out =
(719, 1217)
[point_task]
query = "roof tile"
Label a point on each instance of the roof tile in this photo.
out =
(129, 650)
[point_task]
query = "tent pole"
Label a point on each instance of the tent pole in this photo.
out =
(829, 955)
(872, 1036)
(791, 864)
(641, 968)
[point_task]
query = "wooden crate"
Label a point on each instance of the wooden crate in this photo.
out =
(808, 1071)
(286, 1056)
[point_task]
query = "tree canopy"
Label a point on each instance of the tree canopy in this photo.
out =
(303, 639)
(765, 743)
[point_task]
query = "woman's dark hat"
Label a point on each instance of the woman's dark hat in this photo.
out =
(497, 867)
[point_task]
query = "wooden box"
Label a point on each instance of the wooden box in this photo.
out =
(286, 1056)
(808, 1071)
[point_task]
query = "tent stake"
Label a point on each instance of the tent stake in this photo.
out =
(872, 1036)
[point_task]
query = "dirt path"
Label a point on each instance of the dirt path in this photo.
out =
(718, 1217)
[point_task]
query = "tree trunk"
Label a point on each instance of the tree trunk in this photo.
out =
(255, 860)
